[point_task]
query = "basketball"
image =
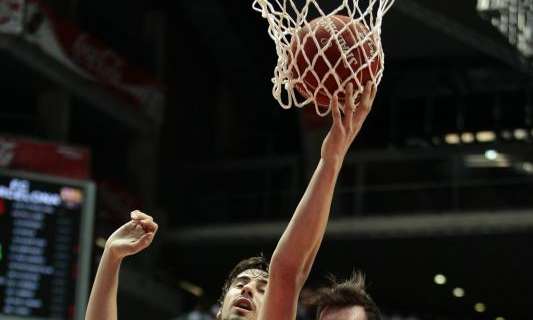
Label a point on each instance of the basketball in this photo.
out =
(316, 64)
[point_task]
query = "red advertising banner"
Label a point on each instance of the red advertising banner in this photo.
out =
(45, 157)
(92, 59)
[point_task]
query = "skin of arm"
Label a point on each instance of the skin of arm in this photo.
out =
(297, 248)
(129, 239)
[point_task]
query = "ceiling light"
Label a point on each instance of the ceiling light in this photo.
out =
(467, 137)
(458, 292)
(452, 138)
(440, 279)
(485, 136)
(520, 134)
(480, 307)
(527, 167)
(491, 154)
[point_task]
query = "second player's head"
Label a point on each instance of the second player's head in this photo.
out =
(346, 300)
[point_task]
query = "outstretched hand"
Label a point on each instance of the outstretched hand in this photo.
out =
(133, 236)
(346, 127)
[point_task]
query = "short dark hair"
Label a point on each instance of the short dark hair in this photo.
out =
(258, 262)
(351, 292)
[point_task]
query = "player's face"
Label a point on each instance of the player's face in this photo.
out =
(245, 297)
(346, 313)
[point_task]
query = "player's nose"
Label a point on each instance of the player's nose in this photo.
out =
(247, 291)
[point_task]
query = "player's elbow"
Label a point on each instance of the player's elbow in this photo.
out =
(288, 271)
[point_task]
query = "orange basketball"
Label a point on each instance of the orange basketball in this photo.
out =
(318, 57)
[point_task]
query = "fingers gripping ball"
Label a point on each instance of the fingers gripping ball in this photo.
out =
(331, 52)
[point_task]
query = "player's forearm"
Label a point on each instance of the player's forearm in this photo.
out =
(103, 300)
(297, 248)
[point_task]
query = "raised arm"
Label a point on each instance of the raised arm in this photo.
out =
(127, 240)
(297, 248)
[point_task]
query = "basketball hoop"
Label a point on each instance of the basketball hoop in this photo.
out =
(322, 49)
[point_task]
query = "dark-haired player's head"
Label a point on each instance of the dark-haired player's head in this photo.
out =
(244, 290)
(346, 300)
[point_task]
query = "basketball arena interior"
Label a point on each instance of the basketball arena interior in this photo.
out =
(167, 107)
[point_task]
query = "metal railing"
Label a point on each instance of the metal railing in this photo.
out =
(387, 182)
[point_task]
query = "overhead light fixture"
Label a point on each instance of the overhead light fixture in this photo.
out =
(486, 136)
(440, 279)
(452, 138)
(500, 318)
(527, 167)
(520, 134)
(467, 137)
(480, 307)
(491, 154)
(458, 292)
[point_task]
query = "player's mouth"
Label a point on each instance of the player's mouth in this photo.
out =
(243, 305)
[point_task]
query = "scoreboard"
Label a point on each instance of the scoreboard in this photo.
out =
(46, 228)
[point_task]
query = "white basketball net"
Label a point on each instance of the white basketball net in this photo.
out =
(286, 17)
